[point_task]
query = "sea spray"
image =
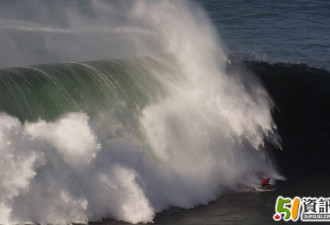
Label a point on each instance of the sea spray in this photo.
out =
(130, 137)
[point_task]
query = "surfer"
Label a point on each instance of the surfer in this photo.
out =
(265, 183)
(265, 186)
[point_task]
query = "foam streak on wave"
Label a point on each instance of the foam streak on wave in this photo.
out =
(193, 132)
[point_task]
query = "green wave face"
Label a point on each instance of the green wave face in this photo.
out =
(49, 91)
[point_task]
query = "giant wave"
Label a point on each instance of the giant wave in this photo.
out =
(130, 137)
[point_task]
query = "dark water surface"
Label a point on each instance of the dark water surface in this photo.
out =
(241, 208)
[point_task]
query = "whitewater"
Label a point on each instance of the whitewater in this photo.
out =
(156, 123)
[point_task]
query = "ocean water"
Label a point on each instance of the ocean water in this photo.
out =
(161, 112)
(294, 31)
